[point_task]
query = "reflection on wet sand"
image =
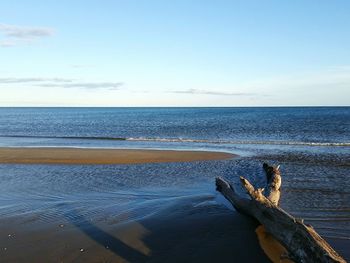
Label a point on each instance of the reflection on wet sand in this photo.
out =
(272, 248)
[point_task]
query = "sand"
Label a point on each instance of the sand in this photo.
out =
(180, 233)
(103, 156)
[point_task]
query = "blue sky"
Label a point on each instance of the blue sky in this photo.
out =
(174, 53)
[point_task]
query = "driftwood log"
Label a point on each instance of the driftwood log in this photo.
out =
(300, 240)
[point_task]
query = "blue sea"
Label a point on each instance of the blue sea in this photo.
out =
(312, 145)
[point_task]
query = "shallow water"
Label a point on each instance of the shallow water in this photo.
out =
(123, 193)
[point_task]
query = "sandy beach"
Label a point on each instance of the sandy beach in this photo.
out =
(180, 233)
(103, 156)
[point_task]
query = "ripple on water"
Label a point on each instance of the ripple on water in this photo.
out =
(315, 191)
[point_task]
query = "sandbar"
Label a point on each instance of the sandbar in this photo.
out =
(53, 155)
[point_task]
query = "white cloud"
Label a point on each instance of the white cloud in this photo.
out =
(29, 80)
(14, 35)
(61, 83)
(7, 43)
(85, 85)
(209, 92)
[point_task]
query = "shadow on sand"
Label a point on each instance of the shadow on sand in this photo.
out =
(107, 240)
(182, 234)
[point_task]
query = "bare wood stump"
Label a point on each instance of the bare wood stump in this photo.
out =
(301, 240)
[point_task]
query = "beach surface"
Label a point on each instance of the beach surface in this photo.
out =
(179, 233)
(103, 156)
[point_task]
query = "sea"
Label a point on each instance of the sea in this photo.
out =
(311, 145)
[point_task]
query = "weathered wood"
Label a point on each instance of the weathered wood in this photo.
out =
(301, 241)
(274, 182)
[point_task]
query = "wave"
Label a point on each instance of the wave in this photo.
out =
(65, 137)
(187, 140)
(240, 142)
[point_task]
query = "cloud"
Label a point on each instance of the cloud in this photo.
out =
(7, 43)
(62, 83)
(29, 80)
(14, 35)
(334, 79)
(86, 85)
(208, 92)
(25, 32)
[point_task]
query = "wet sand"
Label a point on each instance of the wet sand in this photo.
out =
(103, 156)
(180, 233)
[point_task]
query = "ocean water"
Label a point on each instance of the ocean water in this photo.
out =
(312, 145)
(295, 126)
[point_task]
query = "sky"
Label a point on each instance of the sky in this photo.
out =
(175, 53)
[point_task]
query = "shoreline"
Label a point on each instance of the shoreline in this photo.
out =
(64, 155)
